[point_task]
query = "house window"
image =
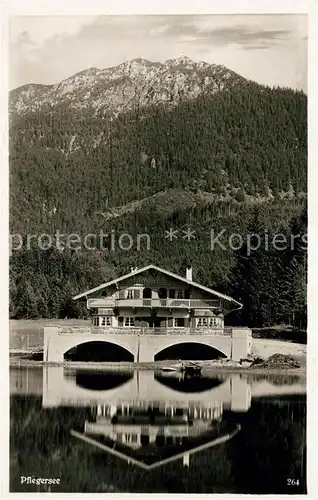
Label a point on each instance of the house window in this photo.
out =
(133, 293)
(202, 322)
(208, 322)
(172, 294)
(129, 321)
(178, 322)
(179, 294)
(102, 321)
(105, 321)
(216, 322)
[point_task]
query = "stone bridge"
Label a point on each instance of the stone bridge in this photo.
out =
(144, 347)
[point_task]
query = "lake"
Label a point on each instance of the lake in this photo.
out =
(154, 432)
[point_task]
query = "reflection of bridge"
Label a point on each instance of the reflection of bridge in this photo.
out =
(60, 389)
(144, 348)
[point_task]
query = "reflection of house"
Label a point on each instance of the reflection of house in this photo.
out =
(152, 297)
(151, 434)
(138, 425)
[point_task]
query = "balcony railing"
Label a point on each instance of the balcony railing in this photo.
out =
(171, 303)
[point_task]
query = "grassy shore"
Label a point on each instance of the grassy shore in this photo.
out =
(27, 333)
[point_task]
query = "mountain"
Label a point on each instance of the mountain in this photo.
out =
(137, 83)
(145, 147)
(249, 140)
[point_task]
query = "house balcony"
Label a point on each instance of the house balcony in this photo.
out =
(169, 303)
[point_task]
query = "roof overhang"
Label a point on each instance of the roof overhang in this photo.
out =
(164, 271)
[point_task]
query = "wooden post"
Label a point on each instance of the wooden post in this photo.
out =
(138, 349)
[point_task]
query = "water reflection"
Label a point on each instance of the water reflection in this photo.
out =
(150, 419)
(183, 383)
(96, 381)
(62, 387)
(151, 434)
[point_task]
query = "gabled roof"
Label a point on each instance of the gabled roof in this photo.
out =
(164, 271)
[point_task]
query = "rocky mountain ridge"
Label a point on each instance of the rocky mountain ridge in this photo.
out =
(126, 87)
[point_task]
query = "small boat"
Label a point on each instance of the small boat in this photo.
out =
(192, 370)
(175, 368)
(189, 369)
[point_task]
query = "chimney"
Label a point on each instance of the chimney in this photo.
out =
(189, 273)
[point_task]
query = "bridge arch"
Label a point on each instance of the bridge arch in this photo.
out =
(98, 350)
(189, 350)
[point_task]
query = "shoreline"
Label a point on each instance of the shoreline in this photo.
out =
(126, 366)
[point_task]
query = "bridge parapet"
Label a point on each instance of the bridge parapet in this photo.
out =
(97, 330)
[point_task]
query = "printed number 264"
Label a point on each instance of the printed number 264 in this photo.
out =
(292, 482)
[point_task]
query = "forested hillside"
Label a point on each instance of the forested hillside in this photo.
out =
(252, 139)
(234, 160)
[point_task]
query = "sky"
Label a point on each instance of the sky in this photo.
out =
(269, 49)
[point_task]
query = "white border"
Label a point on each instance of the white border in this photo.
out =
(120, 7)
(4, 289)
(312, 291)
(99, 7)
